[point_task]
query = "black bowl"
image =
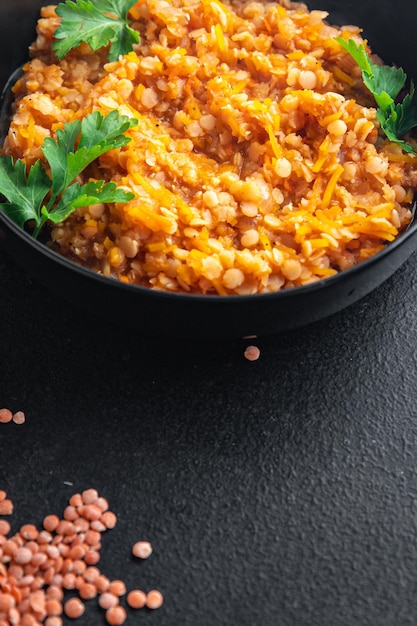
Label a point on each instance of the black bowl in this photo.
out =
(391, 29)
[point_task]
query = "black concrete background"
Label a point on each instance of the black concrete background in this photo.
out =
(276, 493)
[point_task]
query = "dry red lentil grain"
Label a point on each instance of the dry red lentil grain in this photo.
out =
(19, 417)
(117, 587)
(142, 549)
(102, 503)
(79, 567)
(6, 507)
(14, 617)
(109, 519)
(252, 353)
(36, 567)
(136, 599)
(76, 500)
(77, 552)
(116, 615)
(107, 600)
(68, 581)
(54, 620)
(53, 607)
(6, 416)
(70, 513)
(102, 583)
(98, 525)
(92, 537)
(74, 608)
(91, 574)
(154, 599)
(55, 593)
(91, 512)
(7, 601)
(92, 557)
(87, 591)
(29, 531)
(89, 496)
(22, 556)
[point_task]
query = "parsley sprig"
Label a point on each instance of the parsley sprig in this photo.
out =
(385, 83)
(97, 23)
(37, 196)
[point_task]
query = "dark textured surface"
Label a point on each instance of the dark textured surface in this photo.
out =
(276, 493)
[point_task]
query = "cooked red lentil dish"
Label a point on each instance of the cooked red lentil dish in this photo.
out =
(257, 163)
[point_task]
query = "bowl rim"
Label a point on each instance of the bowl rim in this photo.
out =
(283, 294)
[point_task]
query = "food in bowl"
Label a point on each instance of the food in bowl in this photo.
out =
(255, 161)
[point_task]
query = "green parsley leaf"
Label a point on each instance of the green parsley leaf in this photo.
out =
(379, 79)
(385, 83)
(25, 194)
(358, 53)
(405, 113)
(98, 135)
(97, 23)
(83, 195)
(57, 152)
(36, 197)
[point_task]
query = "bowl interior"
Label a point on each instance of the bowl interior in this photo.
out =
(263, 313)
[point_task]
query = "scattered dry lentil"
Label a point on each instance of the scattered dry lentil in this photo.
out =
(116, 615)
(74, 608)
(6, 507)
(142, 549)
(7, 416)
(117, 588)
(37, 568)
(19, 417)
(107, 600)
(252, 353)
(136, 599)
(154, 599)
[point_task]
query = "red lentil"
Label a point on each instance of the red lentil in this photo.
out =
(117, 587)
(89, 496)
(91, 574)
(154, 599)
(74, 608)
(107, 600)
(50, 522)
(54, 620)
(6, 602)
(116, 615)
(109, 519)
(136, 599)
(142, 549)
(252, 353)
(6, 507)
(19, 417)
(87, 591)
(92, 557)
(29, 531)
(38, 567)
(6, 416)
(53, 607)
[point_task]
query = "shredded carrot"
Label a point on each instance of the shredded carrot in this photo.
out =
(331, 186)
